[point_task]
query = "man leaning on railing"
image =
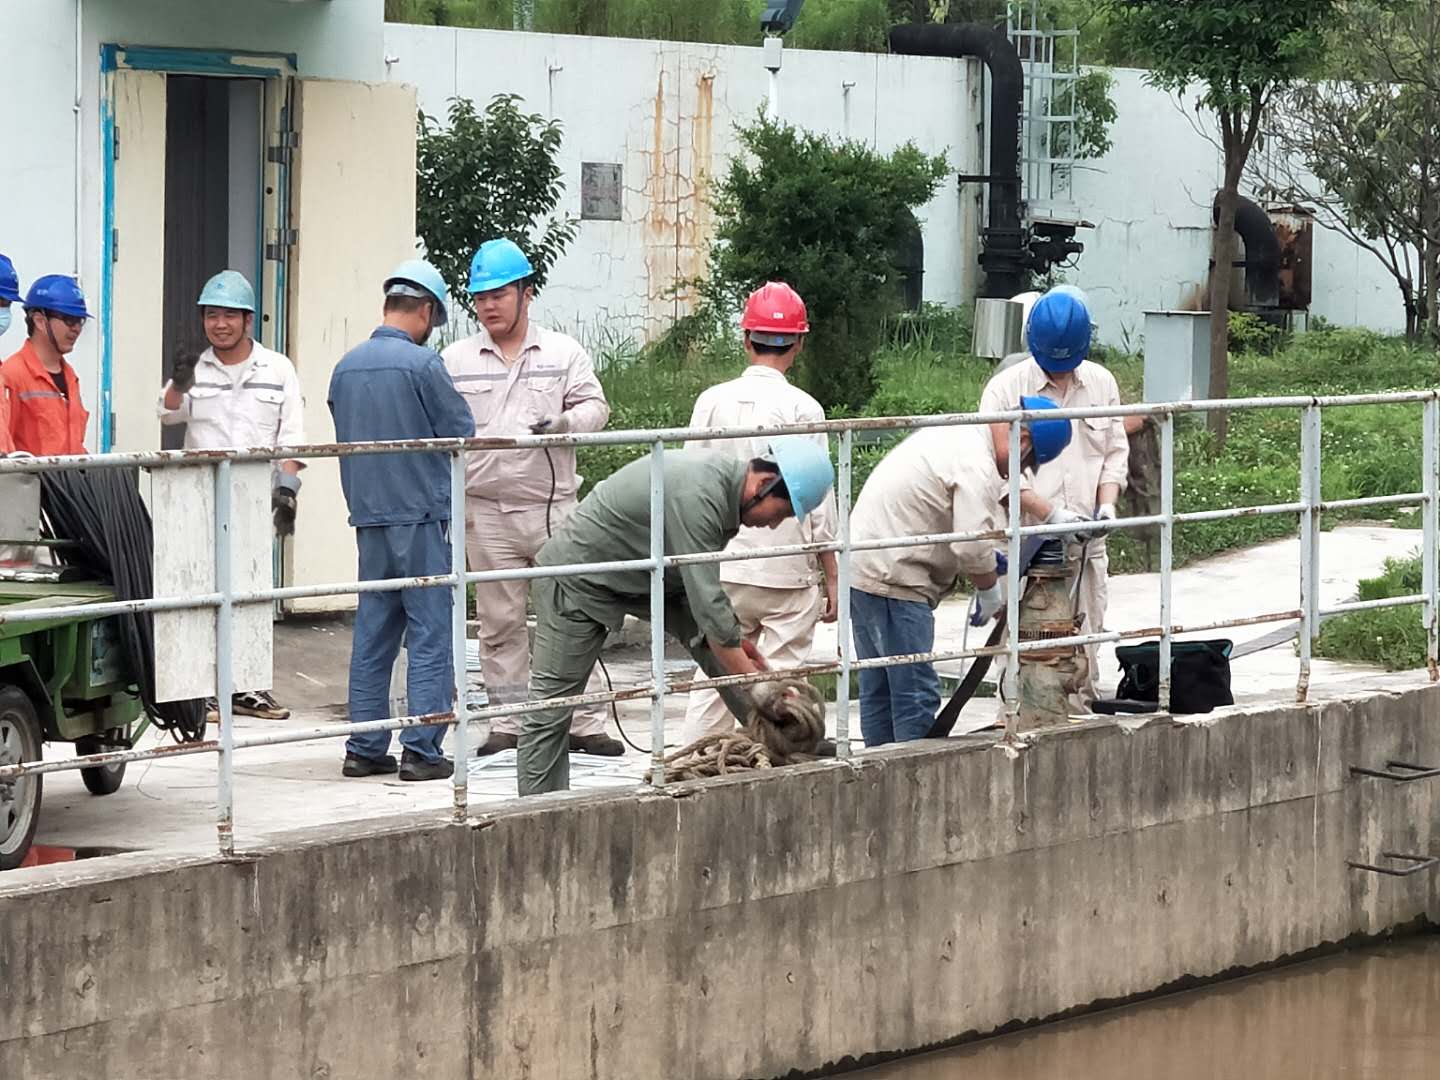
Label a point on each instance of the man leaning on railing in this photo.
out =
(707, 497)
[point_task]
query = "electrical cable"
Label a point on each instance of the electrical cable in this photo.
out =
(100, 511)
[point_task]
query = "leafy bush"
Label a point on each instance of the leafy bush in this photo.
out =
(826, 217)
(488, 175)
(1392, 637)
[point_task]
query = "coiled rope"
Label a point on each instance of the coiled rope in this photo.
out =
(787, 734)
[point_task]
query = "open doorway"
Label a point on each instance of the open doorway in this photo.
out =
(214, 160)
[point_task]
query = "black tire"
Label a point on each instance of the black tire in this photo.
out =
(20, 798)
(102, 779)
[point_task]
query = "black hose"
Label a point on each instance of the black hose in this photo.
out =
(101, 512)
(604, 671)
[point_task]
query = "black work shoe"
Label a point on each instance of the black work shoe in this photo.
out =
(415, 767)
(601, 745)
(355, 765)
(497, 741)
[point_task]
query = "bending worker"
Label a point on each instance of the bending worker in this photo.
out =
(777, 600)
(46, 414)
(519, 378)
(9, 295)
(708, 497)
(938, 480)
(1087, 478)
(392, 387)
(237, 393)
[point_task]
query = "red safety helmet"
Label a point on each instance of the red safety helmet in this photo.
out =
(775, 315)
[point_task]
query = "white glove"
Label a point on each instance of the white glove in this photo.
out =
(1061, 515)
(1105, 512)
(988, 603)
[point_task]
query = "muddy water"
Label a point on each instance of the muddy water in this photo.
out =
(1368, 1013)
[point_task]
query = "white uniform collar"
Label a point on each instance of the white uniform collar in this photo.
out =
(760, 371)
(259, 357)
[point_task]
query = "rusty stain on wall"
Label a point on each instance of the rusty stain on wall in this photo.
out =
(679, 222)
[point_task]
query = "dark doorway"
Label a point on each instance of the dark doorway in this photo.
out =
(212, 208)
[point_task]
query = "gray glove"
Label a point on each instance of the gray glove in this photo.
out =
(1061, 515)
(554, 424)
(283, 498)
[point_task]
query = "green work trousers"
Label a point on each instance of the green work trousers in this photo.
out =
(567, 644)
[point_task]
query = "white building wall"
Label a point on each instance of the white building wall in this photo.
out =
(1149, 200)
(338, 39)
(667, 112)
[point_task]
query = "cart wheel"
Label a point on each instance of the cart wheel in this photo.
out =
(19, 798)
(102, 779)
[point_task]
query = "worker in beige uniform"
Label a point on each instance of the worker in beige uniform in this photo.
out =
(939, 480)
(519, 379)
(237, 393)
(777, 600)
(1086, 480)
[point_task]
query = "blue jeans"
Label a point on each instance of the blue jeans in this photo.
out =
(422, 617)
(897, 704)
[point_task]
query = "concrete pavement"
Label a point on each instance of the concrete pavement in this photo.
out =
(171, 804)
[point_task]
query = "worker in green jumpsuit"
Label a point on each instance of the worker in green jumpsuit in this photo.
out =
(708, 496)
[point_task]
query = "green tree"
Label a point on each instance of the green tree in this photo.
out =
(825, 217)
(1241, 53)
(487, 175)
(1365, 153)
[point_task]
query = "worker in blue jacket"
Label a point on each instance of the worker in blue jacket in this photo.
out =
(393, 387)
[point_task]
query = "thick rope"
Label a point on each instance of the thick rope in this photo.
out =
(788, 733)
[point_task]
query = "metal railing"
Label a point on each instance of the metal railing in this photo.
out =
(1309, 507)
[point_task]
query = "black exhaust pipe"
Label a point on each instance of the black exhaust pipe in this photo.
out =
(1002, 255)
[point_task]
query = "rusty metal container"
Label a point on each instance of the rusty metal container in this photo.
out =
(1295, 229)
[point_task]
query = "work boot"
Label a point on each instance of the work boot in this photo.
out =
(355, 765)
(601, 745)
(415, 767)
(497, 741)
(258, 703)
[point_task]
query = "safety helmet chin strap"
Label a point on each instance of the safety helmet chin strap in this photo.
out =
(50, 333)
(519, 294)
(760, 496)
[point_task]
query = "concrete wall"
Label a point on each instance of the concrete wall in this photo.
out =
(332, 39)
(666, 112)
(742, 927)
(1150, 199)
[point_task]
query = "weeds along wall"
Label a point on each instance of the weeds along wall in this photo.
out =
(664, 113)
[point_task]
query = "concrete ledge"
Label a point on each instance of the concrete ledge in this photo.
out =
(745, 926)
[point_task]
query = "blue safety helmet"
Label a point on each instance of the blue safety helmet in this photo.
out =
(58, 293)
(805, 467)
(496, 264)
(9, 281)
(1058, 332)
(228, 289)
(416, 277)
(1048, 437)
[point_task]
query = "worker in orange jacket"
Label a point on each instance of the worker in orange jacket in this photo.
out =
(46, 414)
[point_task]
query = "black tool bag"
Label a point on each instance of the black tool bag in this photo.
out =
(1199, 674)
